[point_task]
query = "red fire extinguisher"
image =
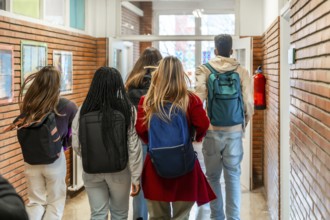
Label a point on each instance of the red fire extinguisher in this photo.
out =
(259, 90)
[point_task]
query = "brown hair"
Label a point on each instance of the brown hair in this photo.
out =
(168, 85)
(150, 57)
(42, 96)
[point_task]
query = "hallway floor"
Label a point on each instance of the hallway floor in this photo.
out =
(253, 207)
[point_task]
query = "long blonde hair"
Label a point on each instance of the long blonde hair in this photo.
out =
(149, 58)
(42, 96)
(168, 85)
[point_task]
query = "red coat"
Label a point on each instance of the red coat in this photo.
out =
(191, 187)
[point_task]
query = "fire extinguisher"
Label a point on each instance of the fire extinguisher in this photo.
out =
(259, 90)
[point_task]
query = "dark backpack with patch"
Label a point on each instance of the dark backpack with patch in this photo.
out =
(96, 156)
(225, 101)
(40, 141)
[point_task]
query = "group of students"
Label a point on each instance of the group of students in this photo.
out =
(153, 84)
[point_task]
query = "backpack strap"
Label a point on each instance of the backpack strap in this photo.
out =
(208, 65)
(62, 103)
(213, 71)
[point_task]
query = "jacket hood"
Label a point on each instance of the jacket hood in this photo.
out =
(224, 64)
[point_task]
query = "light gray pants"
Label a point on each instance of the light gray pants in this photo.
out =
(46, 189)
(108, 191)
(162, 210)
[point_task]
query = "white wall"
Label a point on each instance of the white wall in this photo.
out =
(104, 17)
(271, 11)
(251, 17)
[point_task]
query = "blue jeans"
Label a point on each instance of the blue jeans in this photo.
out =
(224, 151)
(140, 209)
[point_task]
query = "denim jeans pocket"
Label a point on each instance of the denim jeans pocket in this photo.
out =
(209, 146)
(120, 177)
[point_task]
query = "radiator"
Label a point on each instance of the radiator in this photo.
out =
(77, 169)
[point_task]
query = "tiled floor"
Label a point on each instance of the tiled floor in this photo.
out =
(253, 208)
(253, 205)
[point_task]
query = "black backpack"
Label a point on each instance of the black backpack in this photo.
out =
(40, 141)
(135, 94)
(96, 156)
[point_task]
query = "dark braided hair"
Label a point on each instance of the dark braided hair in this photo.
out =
(107, 93)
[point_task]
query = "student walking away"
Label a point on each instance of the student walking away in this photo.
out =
(137, 85)
(11, 204)
(43, 128)
(227, 88)
(138, 81)
(104, 135)
(172, 179)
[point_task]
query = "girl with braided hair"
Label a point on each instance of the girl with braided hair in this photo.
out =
(110, 190)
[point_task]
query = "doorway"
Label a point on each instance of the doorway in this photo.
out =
(121, 56)
(243, 54)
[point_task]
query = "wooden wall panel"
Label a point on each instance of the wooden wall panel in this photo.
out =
(88, 53)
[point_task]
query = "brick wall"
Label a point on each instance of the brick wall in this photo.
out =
(271, 67)
(310, 110)
(258, 123)
(146, 23)
(129, 20)
(146, 19)
(85, 57)
(144, 45)
(102, 52)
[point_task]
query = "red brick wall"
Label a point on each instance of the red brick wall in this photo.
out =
(146, 20)
(132, 19)
(310, 110)
(146, 23)
(144, 45)
(85, 56)
(271, 68)
(258, 123)
(101, 50)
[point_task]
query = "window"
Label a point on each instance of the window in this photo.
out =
(207, 51)
(176, 25)
(77, 14)
(54, 11)
(185, 52)
(218, 24)
(3, 4)
(193, 53)
(30, 8)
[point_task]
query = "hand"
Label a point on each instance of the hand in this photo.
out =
(135, 189)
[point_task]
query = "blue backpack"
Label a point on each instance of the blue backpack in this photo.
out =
(225, 102)
(170, 145)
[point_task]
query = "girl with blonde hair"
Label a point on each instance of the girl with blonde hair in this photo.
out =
(137, 85)
(169, 88)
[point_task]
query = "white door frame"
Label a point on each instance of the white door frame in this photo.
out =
(246, 165)
(238, 43)
(125, 62)
(285, 113)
